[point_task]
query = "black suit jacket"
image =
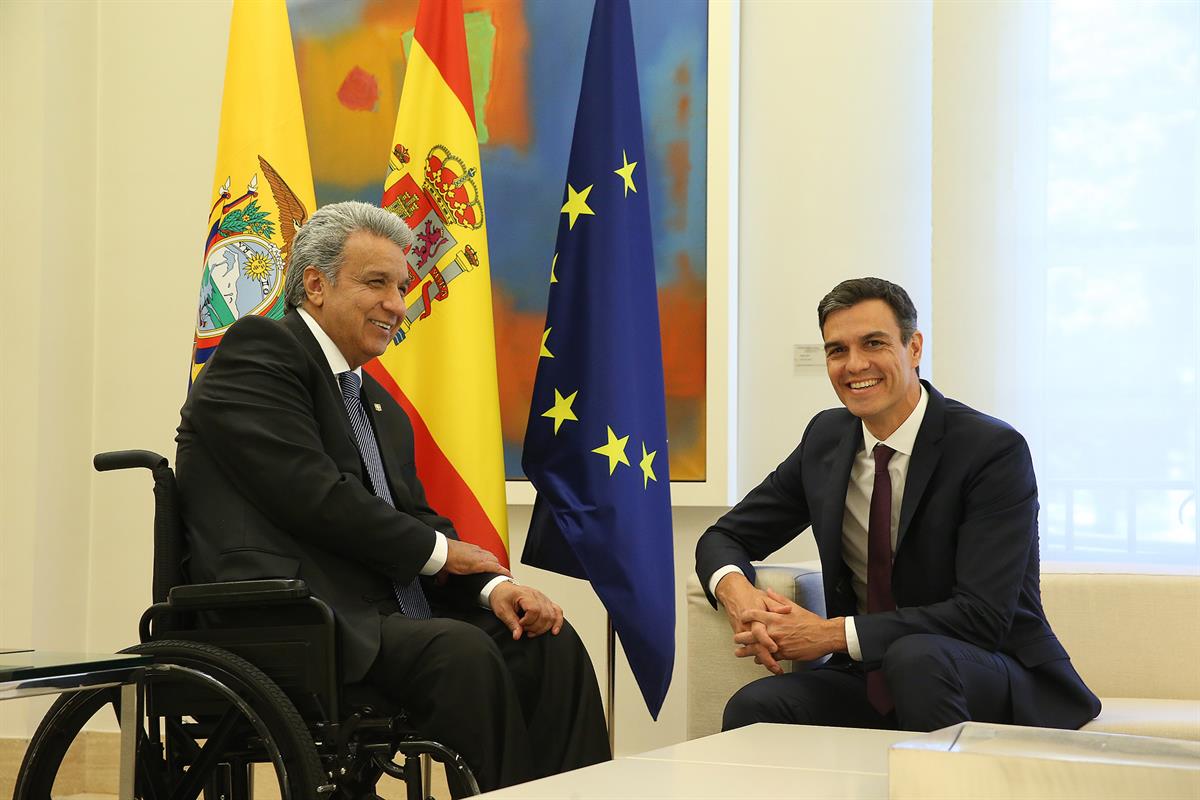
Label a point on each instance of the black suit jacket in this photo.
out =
(272, 483)
(966, 560)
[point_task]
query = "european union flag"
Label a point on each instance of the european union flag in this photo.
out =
(596, 443)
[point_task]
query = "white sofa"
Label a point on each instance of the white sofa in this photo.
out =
(1135, 639)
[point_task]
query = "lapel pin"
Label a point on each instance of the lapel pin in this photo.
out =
(378, 407)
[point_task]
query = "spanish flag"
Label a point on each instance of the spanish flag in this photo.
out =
(263, 186)
(443, 371)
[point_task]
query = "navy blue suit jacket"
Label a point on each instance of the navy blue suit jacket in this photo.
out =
(966, 559)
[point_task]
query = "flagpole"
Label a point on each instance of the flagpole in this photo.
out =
(612, 686)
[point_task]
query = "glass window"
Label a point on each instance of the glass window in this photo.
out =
(1118, 462)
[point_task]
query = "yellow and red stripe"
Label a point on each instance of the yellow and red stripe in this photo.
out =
(444, 372)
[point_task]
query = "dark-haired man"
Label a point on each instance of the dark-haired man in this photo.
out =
(924, 512)
(294, 463)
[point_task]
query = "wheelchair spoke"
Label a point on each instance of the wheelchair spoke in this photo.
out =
(152, 777)
(178, 751)
(208, 757)
(183, 748)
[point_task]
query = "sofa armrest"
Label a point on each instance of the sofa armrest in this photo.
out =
(714, 673)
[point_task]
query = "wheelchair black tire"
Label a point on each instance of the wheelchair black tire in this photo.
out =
(278, 727)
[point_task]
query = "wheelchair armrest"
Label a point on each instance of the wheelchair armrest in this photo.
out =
(236, 593)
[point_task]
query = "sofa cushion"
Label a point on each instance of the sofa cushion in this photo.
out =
(713, 671)
(1146, 716)
(1129, 635)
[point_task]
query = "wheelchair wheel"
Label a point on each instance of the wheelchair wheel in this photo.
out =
(209, 716)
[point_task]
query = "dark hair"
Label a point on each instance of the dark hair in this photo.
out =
(856, 290)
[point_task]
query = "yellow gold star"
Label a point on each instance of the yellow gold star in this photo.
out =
(614, 450)
(576, 205)
(561, 410)
(647, 465)
(626, 172)
(553, 264)
(545, 351)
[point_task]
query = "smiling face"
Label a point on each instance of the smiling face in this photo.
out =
(872, 371)
(361, 312)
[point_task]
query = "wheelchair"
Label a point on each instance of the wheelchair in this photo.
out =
(221, 695)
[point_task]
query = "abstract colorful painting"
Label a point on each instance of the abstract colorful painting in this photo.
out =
(526, 66)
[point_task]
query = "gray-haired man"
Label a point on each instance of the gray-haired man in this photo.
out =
(277, 447)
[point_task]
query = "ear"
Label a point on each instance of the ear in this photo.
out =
(915, 344)
(314, 286)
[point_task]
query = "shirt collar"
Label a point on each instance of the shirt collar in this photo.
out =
(904, 438)
(337, 361)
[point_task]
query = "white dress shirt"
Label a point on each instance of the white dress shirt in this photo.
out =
(858, 505)
(858, 509)
(338, 364)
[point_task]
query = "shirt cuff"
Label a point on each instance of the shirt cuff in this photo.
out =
(485, 594)
(852, 646)
(721, 573)
(437, 559)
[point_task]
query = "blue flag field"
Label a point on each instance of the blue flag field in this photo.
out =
(596, 443)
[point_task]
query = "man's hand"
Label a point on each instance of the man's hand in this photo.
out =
(738, 597)
(464, 558)
(799, 634)
(525, 610)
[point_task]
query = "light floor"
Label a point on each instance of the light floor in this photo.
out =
(388, 788)
(93, 767)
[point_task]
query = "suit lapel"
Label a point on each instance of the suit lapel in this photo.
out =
(299, 329)
(927, 451)
(385, 431)
(837, 469)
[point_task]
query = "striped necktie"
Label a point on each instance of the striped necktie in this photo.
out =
(411, 596)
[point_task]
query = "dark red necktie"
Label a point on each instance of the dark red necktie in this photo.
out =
(879, 564)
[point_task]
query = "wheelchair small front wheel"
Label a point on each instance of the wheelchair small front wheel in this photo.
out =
(209, 717)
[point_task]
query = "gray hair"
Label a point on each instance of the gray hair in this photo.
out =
(321, 240)
(856, 290)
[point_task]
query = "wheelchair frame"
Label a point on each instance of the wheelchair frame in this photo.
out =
(249, 699)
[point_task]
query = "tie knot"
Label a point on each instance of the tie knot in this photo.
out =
(883, 454)
(350, 383)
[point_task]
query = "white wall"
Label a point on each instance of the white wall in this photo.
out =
(111, 112)
(835, 184)
(47, 243)
(161, 68)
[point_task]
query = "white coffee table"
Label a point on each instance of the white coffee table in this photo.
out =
(758, 761)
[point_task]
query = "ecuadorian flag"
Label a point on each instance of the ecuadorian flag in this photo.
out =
(263, 186)
(443, 371)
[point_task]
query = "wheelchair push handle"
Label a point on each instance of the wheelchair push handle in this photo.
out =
(127, 459)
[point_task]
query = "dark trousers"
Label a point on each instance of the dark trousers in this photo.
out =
(935, 681)
(515, 710)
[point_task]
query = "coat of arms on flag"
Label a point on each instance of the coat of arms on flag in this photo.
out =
(243, 263)
(447, 198)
